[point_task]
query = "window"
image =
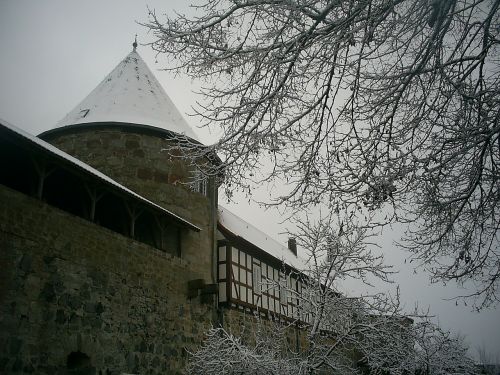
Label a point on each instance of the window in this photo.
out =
(241, 276)
(222, 253)
(265, 303)
(253, 282)
(256, 279)
(242, 259)
(222, 272)
(199, 183)
(332, 249)
(236, 274)
(243, 293)
(283, 290)
(172, 240)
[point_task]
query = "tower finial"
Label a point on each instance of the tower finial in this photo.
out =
(135, 43)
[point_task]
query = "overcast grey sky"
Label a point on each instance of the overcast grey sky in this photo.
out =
(54, 52)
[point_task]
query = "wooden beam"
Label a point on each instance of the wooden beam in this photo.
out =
(133, 213)
(43, 173)
(94, 198)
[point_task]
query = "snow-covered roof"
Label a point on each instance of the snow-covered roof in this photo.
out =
(81, 165)
(129, 94)
(247, 231)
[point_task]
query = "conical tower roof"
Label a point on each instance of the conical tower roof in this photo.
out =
(129, 94)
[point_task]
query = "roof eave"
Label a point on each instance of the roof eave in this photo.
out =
(146, 129)
(252, 247)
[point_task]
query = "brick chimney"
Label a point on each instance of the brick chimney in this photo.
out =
(292, 245)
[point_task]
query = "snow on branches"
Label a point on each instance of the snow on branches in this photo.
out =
(332, 332)
(359, 104)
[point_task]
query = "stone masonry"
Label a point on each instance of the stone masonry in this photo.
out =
(138, 160)
(89, 290)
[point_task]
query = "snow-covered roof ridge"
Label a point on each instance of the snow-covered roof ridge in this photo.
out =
(80, 164)
(129, 94)
(247, 231)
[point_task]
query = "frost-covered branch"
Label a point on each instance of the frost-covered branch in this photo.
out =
(439, 352)
(359, 105)
(223, 353)
(334, 332)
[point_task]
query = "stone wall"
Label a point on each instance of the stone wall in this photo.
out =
(243, 322)
(137, 159)
(70, 286)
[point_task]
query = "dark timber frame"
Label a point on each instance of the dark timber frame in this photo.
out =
(250, 277)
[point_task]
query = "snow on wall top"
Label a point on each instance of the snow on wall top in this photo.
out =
(130, 94)
(80, 164)
(240, 227)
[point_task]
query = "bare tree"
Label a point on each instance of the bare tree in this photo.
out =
(341, 334)
(356, 104)
(420, 348)
(348, 332)
(438, 352)
(223, 353)
(344, 334)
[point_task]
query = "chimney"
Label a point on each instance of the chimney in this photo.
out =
(292, 245)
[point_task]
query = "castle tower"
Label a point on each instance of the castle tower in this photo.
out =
(128, 128)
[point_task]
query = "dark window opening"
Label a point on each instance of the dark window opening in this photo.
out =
(172, 239)
(147, 231)
(78, 363)
(17, 169)
(111, 213)
(65, 191)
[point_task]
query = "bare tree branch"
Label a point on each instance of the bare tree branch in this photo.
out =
(359, 105)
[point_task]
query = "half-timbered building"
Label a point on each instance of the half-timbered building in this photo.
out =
(254, 270)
